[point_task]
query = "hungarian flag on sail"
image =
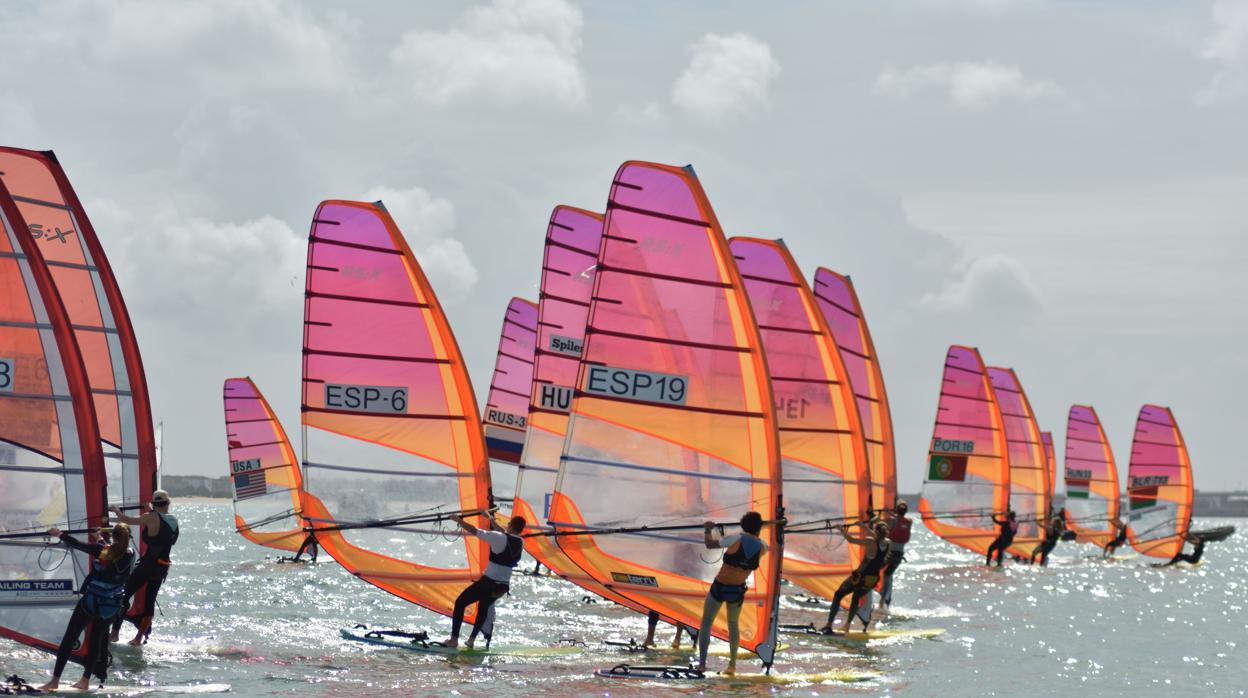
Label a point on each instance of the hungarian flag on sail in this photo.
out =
(944, 466)
(1078, 484)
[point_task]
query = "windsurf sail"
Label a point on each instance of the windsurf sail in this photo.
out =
(1029, 473)
(267, 484)
(968, 467)
(572, 241)
(839, 303)
(1050, 460)
(1092, 497)
(1159, 485)
(60, 227)
(392, 436)
(507, 407)
(823, 455)
(51, 466)
(672, 422)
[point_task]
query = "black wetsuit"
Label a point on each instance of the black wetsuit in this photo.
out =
(102, 599)
(860, 582)
(310, 546)
(1004, 539)
(1190, 559)
(151, 571)
(485, 591)
(1052, 534)
(1116, 542)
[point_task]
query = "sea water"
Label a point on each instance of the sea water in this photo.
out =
(231, 614)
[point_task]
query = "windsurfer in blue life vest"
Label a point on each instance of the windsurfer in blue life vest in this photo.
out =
(742, 554)
(1119, 540)
(1005, 538)
(506, 547)
(876, 549)
(102, 598)
(159, 533)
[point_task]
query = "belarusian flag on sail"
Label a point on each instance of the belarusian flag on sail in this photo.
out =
(944, 466)
(1143, 498)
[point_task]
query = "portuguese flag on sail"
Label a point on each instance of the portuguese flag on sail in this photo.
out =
(944, 466)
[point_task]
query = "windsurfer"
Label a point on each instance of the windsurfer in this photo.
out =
(898, 536)
(1052, 534)
(1005, 538)
(102, 597)
(652, 624)
(1119, 539)
(159, 533)
(875, 556)
(1194, 556)
(309, 546)
(742, 555)
(506, 548)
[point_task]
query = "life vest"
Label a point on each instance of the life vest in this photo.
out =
(873, 566)
(743, 558)
(510, 556)
(160, 545)
(900, 532)
(104, 594)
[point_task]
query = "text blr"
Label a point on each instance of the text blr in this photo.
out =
(642, 386)
(366, 398)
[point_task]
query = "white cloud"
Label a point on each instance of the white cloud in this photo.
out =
(727, 75)
(968, 84)
(648, 113)
(426, 222)
(1228, 48)
(994, 286)
(508, 52)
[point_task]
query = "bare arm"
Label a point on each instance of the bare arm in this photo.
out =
(471, 530)
(859, 541)
(125, 518)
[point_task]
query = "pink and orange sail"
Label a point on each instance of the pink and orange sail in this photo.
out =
(1159, 485)
(264, 471)
(57, 222)
(507, 407)
(968, 471)
(1029, 472)
(840, 306)
(1050, 459)
(1092, 497)
(672, 422)
(573, 237)
(53, 470)
(823, 455)
(393, 443)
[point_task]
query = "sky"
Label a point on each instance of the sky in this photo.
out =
(1060, 184)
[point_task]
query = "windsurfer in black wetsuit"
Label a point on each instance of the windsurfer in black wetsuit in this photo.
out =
(102, 598)
(159, 533)
(1119, 539)
(1005, 538)
(1194, 556)
(506, 548)
(898, 537)
(876, 550)
(1052, 534)
(309, 546)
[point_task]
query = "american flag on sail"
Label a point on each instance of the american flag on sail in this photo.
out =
(249, 483)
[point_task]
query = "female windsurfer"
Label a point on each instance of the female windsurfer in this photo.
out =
(1052, 534)
(506, 547)
(1119, 539)
(1005, 538)
(875, 556)
(102, 598)
(742, 555)
(1194, 556)
(898, 536)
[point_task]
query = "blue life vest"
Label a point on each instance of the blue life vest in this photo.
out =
(104, 594)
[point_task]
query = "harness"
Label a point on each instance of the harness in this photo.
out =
(160, 545)
(872, 567)
(900, 532)
(510, 556)
(104, 594)
(742, 559)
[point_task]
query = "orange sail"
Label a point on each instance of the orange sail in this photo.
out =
(839, 303)
(572, 241)
(672, 422)
(1092, 497)
(392, 440)
(824, 458)
(51, 465)
(506, 415)
(1159, 485)
(59, 225)
(1050, 460)
(968, 469)
(1029, 473)
(268, 488)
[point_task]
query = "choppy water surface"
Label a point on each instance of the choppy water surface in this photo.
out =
(233, 615)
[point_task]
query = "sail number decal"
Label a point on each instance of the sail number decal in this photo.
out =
(568, 346)
(243, 466)
(366, 398)
(506, 419)
(553, 397)
(940, 445)
(642, 386)
(6, 375)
